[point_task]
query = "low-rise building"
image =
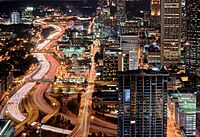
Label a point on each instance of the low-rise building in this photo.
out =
(183, 110)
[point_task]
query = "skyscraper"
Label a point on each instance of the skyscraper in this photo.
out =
(155, 7)
(193, 49)
(155, 12)
(15, 17)
(198, 106)
(27, 15)
(170, 31)
(142, 103)
(130, 43)
(121, 13)
(193, 35)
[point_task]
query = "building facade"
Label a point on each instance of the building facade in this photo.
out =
(193, 35)
(170, 31)
(182, 107)
(113, 61)
(142, 103)
(130, 43)
(14, 18)
(155, 12)
(120, 14)
(198, 106)
(27, 15)
(193, 49)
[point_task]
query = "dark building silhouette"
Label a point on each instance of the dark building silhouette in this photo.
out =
(142, 103)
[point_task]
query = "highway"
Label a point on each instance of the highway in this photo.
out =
(33, 114)
(11, 109)
(48, 67)
(56, 106)
(83, 124)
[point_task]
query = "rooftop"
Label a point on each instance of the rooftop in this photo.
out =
(144, 72)
(186, 102)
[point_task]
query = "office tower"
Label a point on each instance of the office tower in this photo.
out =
(193, 35)
(170, 31)
(14, 17)
(130, 43)
(193, 49)
(155, 12)
(27, 15)
(114, 60)
(198, 106)
(120, 14)
(142, 102)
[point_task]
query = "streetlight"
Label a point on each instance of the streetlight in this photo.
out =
(24, 134)
(54, 104)
(6, 112)
(92, 117)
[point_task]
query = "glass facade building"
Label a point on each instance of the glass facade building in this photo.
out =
(142, 103)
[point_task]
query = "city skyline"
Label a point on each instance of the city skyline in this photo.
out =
(99, 68)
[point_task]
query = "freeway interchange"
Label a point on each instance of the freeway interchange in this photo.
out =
(32, 92)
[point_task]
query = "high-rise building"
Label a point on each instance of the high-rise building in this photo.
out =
(155, 7)
(121, 13)
(142, 103)
(193, 35)
(130, 43)
(14, 17)
(170, 31)
(27, 15)
(198, 106)
(114, 60)
(155, 12)
(193, 49)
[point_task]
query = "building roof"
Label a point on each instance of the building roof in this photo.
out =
(186, 102)
(144, 72)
